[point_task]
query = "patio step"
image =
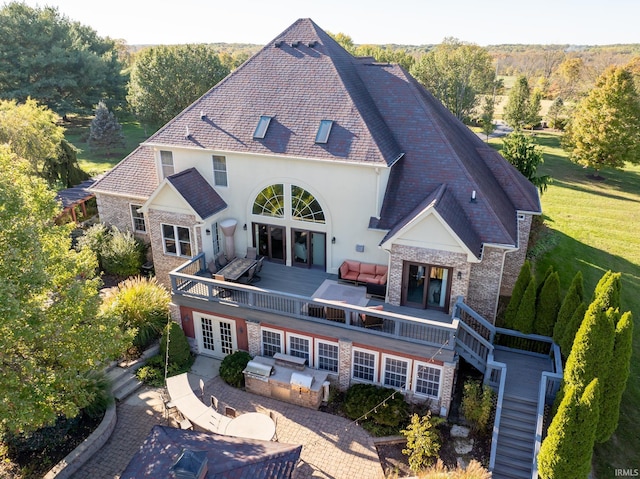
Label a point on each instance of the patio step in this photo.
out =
(123, 375)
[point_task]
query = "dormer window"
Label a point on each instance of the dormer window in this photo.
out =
(261, 128)
(323, 131)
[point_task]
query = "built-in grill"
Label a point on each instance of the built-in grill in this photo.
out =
(302, 381)
(258, 370)
(286, 378)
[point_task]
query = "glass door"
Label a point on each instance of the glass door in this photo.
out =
(425, 286)
(308, 249)
(270, 241)
(216, 336)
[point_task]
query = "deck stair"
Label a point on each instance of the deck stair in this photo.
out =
(516, 441)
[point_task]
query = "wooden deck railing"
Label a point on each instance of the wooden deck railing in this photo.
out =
(496, 379)
(185, 281)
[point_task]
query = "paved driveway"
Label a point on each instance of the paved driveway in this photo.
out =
(333, 447)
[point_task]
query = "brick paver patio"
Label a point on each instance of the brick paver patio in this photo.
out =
(334, 448)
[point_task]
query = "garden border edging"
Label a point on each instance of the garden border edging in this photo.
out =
(81, 454)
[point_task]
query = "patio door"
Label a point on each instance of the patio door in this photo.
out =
(426, 286)
(270, 240)
(308, 249)
(216, 336)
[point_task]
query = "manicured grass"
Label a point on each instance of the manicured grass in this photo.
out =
(592, 226)
(95, 162)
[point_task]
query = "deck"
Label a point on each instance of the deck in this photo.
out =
(523, 372)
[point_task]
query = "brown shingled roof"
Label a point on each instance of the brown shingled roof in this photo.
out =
(136, 175)
(204, 200)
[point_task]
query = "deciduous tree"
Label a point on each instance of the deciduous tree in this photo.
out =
(60, 63)
(605, 128)
(31, 131)
(456, 73)
(167, 79)
(486, 115)
(50, 332)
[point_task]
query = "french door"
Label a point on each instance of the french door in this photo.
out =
(308, 249)
(426, 286)
(216, 336)
(270, 242)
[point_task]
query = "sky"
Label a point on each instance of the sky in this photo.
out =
(406, 22)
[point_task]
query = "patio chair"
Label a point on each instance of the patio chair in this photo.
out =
(214, 402)
(221, 260)
(251, 253)
(335, 314)
(274, 418)
(186, 424)
(230, 411)
(222, 292)
(250, 277)
(259, 267)
(211, 266)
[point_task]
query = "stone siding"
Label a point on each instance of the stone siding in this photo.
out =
(448, 381)
(486, 277)
(514, 260)
(164, 263)
(344, 364)
(457, 261)
(254, 337)
(116, 211)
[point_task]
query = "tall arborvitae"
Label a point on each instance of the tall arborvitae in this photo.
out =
(608, 288)
(566, 341)
(570, 303)
(524, 278)
(567, 450)
(616, 381)
(526, 315)
(592, 348)
(547, 273)
(548, 305)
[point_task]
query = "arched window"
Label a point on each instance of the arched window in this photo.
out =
(270, 202)
(304, 207)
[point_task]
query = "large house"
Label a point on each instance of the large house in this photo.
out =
(315, 157)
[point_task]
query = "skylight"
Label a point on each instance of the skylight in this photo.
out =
(261, 129)
(323, 131)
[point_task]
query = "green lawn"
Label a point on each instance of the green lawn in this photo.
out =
(592, 226)
(94, 162)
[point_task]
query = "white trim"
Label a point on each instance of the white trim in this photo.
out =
(316, 355)
(376, 365)
(414, 377)
(175, 230)
(197, 327)
(281, 333)
(133, 220)
(310, 343)
(383, 371)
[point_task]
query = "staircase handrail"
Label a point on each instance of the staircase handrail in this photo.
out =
(496, 423)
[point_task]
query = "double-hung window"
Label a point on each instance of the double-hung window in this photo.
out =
(300, 347)
(327, 356)
(220, 170)
(427, 380)
(177, 240)
(166, 160)
(271, 342)
(139, 226)
(395, 372)
(364, 365)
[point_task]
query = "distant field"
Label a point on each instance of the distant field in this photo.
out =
(592, 226)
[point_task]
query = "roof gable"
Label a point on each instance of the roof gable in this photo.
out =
(299, 79)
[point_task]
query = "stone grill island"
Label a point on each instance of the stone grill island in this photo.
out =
(286, 378)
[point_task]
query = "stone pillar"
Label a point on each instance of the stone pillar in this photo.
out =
(344, 363)
(446, 394)
(254, 338)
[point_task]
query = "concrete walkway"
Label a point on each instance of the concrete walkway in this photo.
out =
(334, 448)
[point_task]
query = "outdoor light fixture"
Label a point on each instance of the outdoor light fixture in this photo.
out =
(245, 227)
(208, 231)
(333, 240)
(459, 274)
